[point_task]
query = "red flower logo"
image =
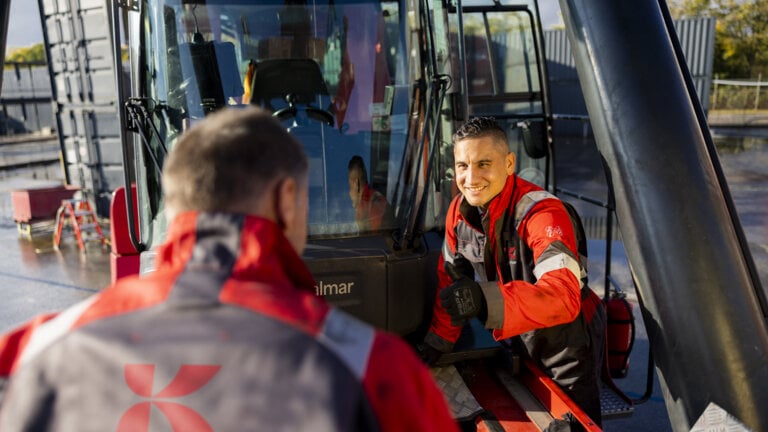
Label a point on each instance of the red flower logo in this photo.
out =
(188, 380)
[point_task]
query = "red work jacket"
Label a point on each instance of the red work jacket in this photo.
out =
(515, 305)
(372, 210)
(226, 334)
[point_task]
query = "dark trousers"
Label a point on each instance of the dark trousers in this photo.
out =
(572, 354)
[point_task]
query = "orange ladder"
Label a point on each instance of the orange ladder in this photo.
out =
(80, 214)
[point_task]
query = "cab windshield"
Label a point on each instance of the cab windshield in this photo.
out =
(335, 72)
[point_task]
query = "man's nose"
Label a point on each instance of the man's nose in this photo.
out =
(469, 175)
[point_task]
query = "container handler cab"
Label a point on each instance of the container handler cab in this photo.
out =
(385, 80)
(388, 81)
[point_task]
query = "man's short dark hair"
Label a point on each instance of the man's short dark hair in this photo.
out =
(228, 158)
(357, 163)
(480, 127)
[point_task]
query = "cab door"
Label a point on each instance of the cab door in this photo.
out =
(502, 70)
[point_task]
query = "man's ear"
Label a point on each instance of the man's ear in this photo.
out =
(286, 202)
(510, 161)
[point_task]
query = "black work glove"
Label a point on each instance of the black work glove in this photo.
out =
(461, 267)
(463, 299)
(428, 354)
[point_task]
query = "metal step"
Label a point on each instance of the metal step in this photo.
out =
(460, 400)
(612, 405)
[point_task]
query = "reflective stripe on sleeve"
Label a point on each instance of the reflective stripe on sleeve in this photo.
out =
(447, 252)
(557, 262)
(351, 340)
(495, 303)
(47, 333)
(527, 202)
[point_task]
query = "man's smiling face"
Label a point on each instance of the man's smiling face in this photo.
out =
(482, 166)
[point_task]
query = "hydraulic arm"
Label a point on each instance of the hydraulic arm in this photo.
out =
(702, 305)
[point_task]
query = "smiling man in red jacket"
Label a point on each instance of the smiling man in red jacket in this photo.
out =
(227, 333)
(510, 257)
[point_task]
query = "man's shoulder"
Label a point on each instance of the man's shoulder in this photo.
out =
(355, 341)
(524, 187)
(340, 327)
(528, 194)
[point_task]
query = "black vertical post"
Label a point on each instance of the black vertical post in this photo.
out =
(702, 305)
(5, 10)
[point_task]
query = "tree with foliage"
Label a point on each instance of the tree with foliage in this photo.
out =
(30, 54)
(688, 8)
(741, 33)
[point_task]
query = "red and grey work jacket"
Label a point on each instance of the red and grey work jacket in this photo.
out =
(372, 211)
(517, 302)
(227, 334)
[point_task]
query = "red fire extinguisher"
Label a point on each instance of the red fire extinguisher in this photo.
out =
(620, 333)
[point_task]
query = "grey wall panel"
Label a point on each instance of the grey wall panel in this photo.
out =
(100, 87)
(558, 50)
(46, 116)
(104, 151)
(41, 81)
(111, 153)
(697, 40)
(90, 4)
(105, 124)
(80, 54)
(98, 54)
(91, 136)
(25, 99)
(102, 178)
(25, 80)
(94, 25)
(565, 91)
(75, 151)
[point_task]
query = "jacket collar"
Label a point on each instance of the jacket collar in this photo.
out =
(249, 247)
(496, 208)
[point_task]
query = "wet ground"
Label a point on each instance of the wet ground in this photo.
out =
(35, 278)
(744, 161)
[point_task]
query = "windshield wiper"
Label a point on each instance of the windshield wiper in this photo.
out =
(139, 113)
(437, 90)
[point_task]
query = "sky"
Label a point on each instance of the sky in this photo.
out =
(550, 13)
(24, 28)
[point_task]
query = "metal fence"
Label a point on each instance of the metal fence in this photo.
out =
(740, 95)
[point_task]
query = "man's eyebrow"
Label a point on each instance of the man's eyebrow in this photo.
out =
(486, 160)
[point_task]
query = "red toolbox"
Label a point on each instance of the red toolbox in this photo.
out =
(33, 205)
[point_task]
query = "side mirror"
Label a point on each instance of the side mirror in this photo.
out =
(534, 138)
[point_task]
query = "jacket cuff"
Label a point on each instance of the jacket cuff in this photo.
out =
(495, 304)
(438, 343)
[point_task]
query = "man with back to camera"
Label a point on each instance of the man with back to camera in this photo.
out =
(518, 242)
(227, 333)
